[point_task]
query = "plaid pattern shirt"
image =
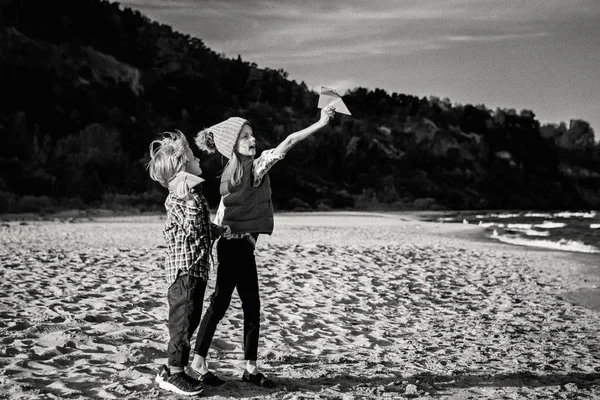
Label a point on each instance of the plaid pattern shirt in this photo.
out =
(260, 167)
(187, 231)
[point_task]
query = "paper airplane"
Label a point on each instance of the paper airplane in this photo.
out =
(330, 97)
(182, 176)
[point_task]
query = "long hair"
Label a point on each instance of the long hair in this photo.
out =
(233, 170)
(167, 157)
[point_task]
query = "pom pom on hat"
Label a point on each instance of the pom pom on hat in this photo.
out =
(225, 134)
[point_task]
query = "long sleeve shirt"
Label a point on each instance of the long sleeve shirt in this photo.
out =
(187, 232)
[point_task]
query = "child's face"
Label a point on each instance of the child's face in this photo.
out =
(246, 144)
(192, 164)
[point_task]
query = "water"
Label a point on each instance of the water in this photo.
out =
(565, 230)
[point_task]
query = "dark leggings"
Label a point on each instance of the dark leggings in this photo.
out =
(237, 268)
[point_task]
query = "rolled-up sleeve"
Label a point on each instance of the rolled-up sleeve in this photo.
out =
(263, 164)
(220, 213)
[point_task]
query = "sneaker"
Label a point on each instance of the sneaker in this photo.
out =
(208, 379)
(179, 383)
(258, 379)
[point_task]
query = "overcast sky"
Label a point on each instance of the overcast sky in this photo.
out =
(542, 55)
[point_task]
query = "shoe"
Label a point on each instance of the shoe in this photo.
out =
(211, 379)
(208, 379)
(179, 383)
(258, 379)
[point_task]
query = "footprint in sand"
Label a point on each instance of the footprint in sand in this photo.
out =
(222, 345)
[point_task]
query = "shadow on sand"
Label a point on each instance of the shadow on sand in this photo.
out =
(424, 383)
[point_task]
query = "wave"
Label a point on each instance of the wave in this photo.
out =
(533, 232)
(495, 215)
(550, 225)
(575, 231)
(561, 244)
(537, 215)
(571, 214)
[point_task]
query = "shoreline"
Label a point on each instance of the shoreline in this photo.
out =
(580, 270)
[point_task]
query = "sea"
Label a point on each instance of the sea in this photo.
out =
(573, 231)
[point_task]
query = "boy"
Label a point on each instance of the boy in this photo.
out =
(188, 233)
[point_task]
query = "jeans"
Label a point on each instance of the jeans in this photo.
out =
(185, 296)
(237, 268)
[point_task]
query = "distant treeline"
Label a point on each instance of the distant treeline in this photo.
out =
(87, 85)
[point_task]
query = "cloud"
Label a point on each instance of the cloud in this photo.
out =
(496, 38)
(299, 35)
(266, 30)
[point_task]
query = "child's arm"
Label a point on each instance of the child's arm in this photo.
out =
(187, 230)
(187, 212)
(293, 139)
(217, 227)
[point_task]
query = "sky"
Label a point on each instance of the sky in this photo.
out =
(540, 55)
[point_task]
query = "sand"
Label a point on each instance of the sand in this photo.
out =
(354, 306)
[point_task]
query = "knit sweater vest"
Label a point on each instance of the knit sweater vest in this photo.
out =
(247, 209)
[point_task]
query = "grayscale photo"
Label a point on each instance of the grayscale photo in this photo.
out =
(335, 200)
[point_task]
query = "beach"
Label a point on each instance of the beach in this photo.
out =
(354, 306)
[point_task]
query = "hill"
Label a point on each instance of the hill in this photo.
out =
(88, 84)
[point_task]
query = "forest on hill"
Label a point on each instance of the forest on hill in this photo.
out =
(88, 84)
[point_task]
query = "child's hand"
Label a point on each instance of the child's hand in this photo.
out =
(224, 231)
(327, 114)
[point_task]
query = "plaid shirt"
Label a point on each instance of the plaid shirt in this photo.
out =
(260, 167)
(187, 231)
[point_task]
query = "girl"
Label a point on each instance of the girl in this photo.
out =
(246, 207)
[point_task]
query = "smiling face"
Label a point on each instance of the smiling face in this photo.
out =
(192, 165)
(246, 144)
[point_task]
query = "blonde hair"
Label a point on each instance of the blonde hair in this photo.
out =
(167, 157)
(206, 141)
(234, 168)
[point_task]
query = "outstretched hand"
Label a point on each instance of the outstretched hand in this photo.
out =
(327, 114)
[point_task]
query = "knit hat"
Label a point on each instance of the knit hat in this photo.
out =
(226, 133)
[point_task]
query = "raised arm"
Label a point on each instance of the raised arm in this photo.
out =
(293, 139)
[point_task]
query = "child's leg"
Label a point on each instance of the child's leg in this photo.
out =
(227, 277)
(177, 324)
(196, 290)
(249, 295)
(184, 306)
(185, 298)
